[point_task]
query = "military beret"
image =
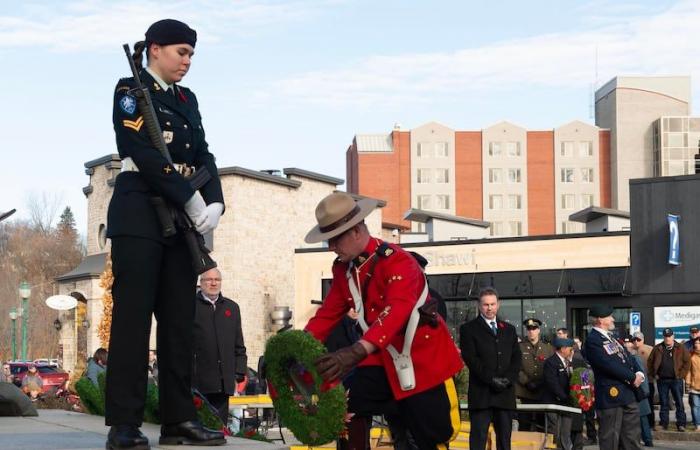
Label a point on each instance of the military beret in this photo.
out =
(420, 258)
(532, 322)
(562, 342)
(170, 31)
(600, 311)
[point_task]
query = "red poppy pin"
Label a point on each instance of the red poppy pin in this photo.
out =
(227, 313)
(501, 325)
(540, 358)
(182, 95)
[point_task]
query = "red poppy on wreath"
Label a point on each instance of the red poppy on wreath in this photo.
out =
(540, 358)
(328, 385)
(227, 313)
(197, 402)
(307, 378)
(501, 325)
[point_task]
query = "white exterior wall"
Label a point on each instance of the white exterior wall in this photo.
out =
(576, 133)
(443, 230)
(503, 133)
(427, 137)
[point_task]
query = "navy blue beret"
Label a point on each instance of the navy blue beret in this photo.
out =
(170, 31)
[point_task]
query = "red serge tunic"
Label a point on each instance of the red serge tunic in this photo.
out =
(389, 297)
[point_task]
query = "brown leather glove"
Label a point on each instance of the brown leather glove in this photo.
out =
(336, 365)
(428, 313)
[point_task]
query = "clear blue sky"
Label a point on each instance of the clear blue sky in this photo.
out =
(289, 83)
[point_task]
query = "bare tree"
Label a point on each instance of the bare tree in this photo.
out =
(43, 208)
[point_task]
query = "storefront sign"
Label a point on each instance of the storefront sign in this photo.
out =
(445, 259)
(678, 318)
(674, 237)
(635, 322)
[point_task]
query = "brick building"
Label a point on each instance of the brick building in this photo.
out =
(523, 182)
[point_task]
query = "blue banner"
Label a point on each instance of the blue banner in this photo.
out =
(674, 239)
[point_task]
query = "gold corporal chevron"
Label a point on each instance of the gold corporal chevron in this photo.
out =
(134, 124)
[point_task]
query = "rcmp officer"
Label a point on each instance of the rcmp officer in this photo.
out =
(153, 274)
(386, 287)
(617, 378)
(531, 376)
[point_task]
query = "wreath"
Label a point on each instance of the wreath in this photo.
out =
(313, 410)
(582, 390)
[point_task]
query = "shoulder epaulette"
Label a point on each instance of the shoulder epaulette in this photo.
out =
(384, 250)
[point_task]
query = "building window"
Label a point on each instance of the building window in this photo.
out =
(567, 149)
(496, 229)
(567, 175)
(587, 175)
(495, 176)
(514, 175)
(569, 227)
(441, 149)
(516, 228)
(442, 202)
(568, 201)
(495, 202)
(423, 150)
(442, 175)
(586, 200)
(494, 149)
(423, 176)
(513, 148)
(585, 148)
(423, 202)
(515, 202)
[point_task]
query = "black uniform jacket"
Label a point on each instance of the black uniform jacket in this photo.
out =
(488, 356)
(219, 351)
(556, 382)
(614, 370)
(130, 211)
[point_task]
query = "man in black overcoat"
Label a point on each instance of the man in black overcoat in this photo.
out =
(490, 349)
(556, 390)
(219, 359)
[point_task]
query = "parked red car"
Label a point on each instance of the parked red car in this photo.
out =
(52, 377)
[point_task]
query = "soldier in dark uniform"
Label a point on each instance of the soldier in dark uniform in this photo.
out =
(531, 376)
(617, 378)
(152, 274)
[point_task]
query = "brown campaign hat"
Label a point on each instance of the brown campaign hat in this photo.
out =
(337, 213)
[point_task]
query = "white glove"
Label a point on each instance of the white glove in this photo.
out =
(211, 219)
(196, 209)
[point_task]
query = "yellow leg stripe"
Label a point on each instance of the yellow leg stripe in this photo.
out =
(454, 407)
(441, 447)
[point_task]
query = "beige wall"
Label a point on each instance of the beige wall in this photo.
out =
(503, 133)
(629, 106)
(98, 202)
(427, 136)
(576, 133)
(443, 230)
(570, 253)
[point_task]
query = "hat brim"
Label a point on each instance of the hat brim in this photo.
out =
(366, 205)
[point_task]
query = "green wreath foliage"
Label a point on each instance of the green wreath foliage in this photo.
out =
(93, 399)
(314, 422)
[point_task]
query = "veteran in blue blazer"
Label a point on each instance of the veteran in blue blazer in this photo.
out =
(617, 378)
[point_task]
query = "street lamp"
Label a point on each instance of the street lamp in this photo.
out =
(13, 317)
(24, 292)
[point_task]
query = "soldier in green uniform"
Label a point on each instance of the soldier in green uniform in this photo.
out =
(530, 379)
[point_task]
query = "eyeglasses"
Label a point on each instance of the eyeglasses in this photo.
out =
(211, 280)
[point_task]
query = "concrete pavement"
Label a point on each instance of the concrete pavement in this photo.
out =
(65, 430)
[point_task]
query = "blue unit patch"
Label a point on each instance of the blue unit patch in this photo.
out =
(128, 104)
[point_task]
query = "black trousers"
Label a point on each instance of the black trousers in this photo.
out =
(480, 419)
(431, 417)
(530, 420)
(150, 278)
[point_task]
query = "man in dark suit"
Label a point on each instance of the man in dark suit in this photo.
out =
(490, 349)
(557, 370)
(616, 379)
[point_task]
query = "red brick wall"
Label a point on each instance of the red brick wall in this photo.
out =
(386, 176)
(540, 182)
(604, 161)
(468, 173)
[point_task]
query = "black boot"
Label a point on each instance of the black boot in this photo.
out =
(126, 437)
(190, 433)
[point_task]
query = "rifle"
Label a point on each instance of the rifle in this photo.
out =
(171, 218)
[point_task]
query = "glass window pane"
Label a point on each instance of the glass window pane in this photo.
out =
(551, 311)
